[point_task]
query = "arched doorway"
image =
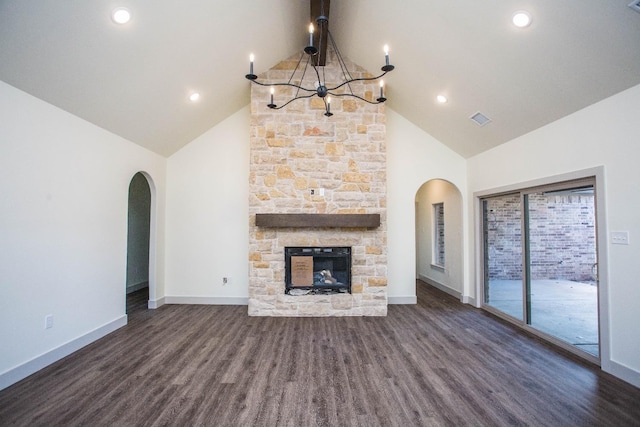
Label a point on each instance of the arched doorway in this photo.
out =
(439, 248)
(138, 239)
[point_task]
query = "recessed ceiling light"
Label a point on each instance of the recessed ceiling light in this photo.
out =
(521, 19)
(441, 99)
(121, 15)
(194, 97)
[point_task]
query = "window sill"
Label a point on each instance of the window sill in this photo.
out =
(438, 267)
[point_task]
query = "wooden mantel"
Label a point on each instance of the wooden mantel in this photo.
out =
(318, 220)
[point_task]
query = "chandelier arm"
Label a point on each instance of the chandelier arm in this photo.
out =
(361, 79)
(356, 96)
(343, 66)
(346, 74)
(304, 72)
(296, 69)
(286, 84)
(293, 99)
(316, 70)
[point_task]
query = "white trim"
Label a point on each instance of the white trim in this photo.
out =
(153, 304)
(409, 299)
(597, 171)
(466, 299)
(443, 288)
(623, 372)
(20, 372)
(207, 300)
(137, 287)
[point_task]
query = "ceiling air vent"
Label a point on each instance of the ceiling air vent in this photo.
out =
(635, 5)
(480, 119)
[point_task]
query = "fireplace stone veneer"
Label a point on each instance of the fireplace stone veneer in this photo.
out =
(296, 150)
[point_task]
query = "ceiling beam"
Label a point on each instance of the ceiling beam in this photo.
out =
(318, 8)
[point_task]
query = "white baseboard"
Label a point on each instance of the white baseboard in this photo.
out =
(621, 371)
(410, 299)
(137, 287)
(466, 299)
(207, 300)
(156, 303)
(21, 372)
(443, 288)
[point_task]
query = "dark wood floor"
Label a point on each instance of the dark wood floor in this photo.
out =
(435, 363)
(137, 301)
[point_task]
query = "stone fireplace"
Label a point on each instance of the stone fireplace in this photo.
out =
(317, 184)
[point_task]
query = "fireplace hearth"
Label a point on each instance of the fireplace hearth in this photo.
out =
(317, 270)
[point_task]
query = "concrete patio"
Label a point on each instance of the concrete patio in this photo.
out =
(561, 308)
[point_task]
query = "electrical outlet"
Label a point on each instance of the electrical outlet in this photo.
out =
(620, 237)
(48, 321)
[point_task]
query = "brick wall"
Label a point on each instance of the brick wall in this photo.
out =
(297, 149)
(562, 237)
(504, 237)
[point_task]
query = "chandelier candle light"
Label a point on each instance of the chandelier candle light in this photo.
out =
(320, 89)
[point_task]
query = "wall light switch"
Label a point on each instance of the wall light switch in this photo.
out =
(48, 321)
(620, 237)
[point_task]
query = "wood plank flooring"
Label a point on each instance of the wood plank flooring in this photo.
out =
(438, 363)
(137, 300)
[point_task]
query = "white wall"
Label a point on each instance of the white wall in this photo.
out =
(63, 230)
(449, 278)
(208, 216)
(413, 158)
(207, 209)
(605, 134)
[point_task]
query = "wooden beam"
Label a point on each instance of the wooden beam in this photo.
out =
(318, 8)
(318, 220)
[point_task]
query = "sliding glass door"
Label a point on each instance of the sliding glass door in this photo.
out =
(540, 264)
(502, 217)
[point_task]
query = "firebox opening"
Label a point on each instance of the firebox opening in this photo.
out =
(317, 270)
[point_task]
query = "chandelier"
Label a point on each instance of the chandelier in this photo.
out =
(315, 60)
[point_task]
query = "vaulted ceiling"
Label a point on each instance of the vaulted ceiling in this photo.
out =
(135, 79)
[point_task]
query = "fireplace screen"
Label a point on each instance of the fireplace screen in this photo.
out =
(317, 270)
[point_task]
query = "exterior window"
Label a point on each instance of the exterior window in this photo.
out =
(438, 234)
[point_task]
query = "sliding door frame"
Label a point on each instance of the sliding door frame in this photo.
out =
(595, 174)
